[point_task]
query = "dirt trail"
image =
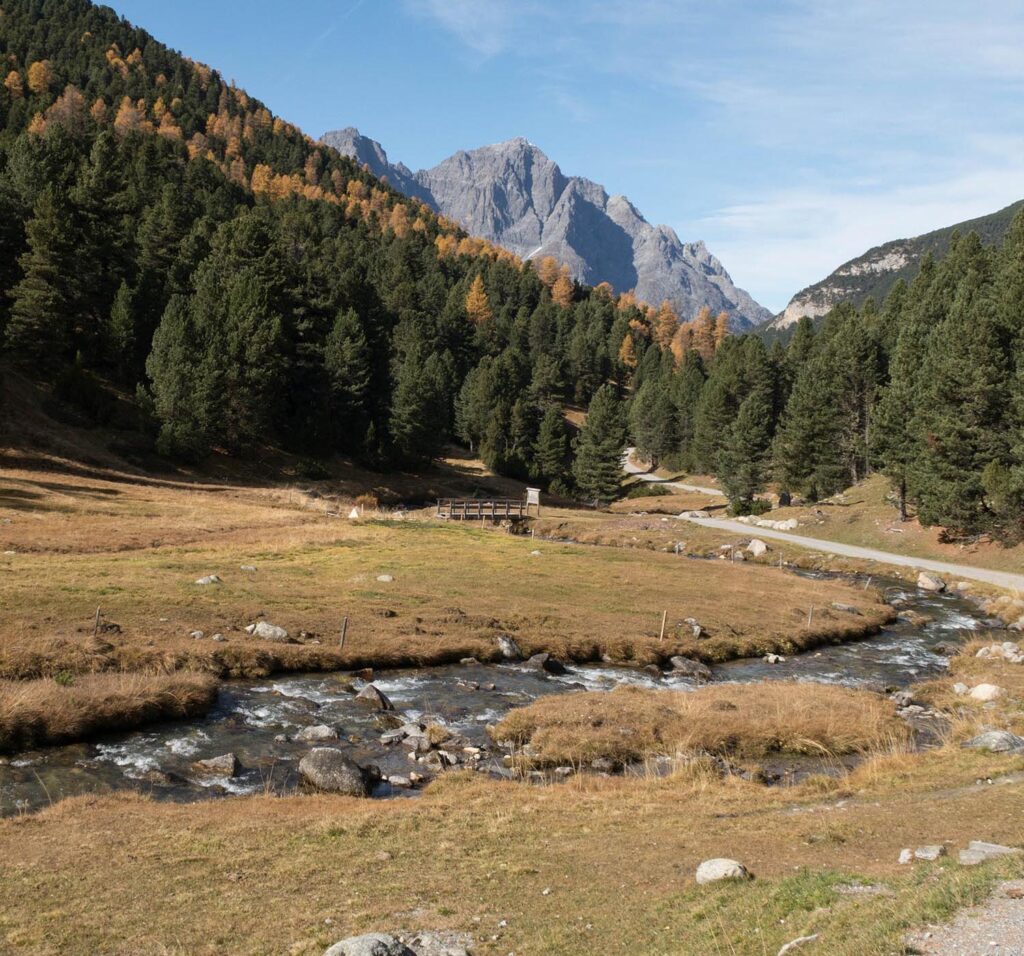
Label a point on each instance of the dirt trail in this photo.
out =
(994, 927)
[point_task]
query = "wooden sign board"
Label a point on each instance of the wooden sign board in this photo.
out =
(533, 496)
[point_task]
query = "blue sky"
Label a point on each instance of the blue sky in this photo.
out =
(790, 136)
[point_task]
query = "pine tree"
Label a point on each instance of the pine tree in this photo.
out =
(120, 334)
(43, 312)
(347, 362)
(597, 468)
(744, 459)
(653, 421)
(552, 446)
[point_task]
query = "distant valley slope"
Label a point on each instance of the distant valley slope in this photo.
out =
(514, 195)
(875, 272)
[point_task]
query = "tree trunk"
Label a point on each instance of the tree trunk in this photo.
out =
(903, 499)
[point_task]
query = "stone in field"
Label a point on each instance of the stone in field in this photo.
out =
(371, 944)
(269, 632)
(979, 852)
(997, 741)
(757, 547)
(208, 579)
(985, 692)
(712, 871)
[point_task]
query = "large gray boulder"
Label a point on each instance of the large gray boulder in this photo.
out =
(980, 852)
(687, 667)
(372, 696)
(713, 871)
(269, 632)
(371, 944)
(997, 741)
(930, 582)
(226, 765)
(509, 648)
(331, 771)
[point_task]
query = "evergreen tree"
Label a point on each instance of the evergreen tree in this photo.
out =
(43, 312)
(347, 360)
(597, 468)
(552, 446)
(744, 460)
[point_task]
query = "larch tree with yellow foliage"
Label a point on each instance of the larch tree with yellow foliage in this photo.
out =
(665, 324)
(478, 307)
(563, 291)
(40, 76)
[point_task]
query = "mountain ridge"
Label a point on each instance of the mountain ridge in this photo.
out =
(513, 194)
(875, 272)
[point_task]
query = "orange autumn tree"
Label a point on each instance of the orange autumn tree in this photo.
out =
(478, 307)
(563, 290)
(627, 353)
(14, 85)
(40, 76)
(665, 324)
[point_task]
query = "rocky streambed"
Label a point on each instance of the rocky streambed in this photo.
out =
(429, 719)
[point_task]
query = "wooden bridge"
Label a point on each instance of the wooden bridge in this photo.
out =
(484, 509)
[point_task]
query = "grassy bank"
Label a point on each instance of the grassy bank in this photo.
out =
(631, 724)
(38, 713)
(135, 549)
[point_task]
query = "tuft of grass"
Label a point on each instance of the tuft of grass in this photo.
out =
(630, 724)
(43, 712)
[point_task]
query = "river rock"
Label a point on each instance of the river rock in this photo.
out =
(545, 662)
(226, 765)
(269, 632)
(317, 732)
(757, 547)
(930, 582)
(371, 944)
(687, 667)
(979, 852)
(208, 579)
(373, 697)
(509, 648)
(330, 770)
(997, 741)
(985, 692)
(712, 871)
(774, 659)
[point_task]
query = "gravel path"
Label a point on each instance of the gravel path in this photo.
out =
(995, 928)
(1000, 578)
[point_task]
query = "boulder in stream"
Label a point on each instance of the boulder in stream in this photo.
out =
(545, 662)
(226, 765)
(317, 732)
(930, 582)
(331, 771)
(687, 667)
(373, 697)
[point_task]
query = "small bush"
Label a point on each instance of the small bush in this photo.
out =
(758, 506)
(312, 470)
(646, 490)
(368, 502)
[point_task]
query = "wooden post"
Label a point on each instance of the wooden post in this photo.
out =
(96, 625)
(344, 631)
(664, 618)
(867, 583)
(810, 615)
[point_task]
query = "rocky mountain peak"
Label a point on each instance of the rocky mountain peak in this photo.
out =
(513, 194)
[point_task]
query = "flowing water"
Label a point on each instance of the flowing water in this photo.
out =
(257, 720)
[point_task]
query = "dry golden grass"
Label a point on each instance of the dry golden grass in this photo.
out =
(629, 724)
(616, 857)
(673, 504)
(43, 712)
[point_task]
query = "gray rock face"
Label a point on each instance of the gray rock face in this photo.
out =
(514, 195)
(330, 770)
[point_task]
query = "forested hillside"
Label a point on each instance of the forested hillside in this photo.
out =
(163, 234)
(929, 389)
